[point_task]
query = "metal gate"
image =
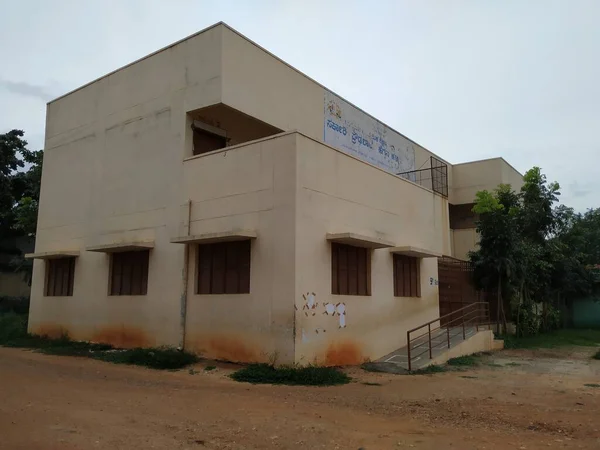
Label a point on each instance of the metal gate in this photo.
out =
(456, 288)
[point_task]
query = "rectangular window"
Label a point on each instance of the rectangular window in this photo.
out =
(462, 216)
(129, 273)
(223, 268)
(350, 270)
(205, 141)
(407, 276)
(59, 277)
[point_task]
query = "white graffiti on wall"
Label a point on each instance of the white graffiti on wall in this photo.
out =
(339, 309)
(350, 130)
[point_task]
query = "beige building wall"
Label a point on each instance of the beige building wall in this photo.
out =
(249, 187)
(464, 241)
(469, 178)
(112, 173)
(118, 169)
(263, 86)
(337, 193)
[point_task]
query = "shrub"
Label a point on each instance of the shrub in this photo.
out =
(18, 305)
(12, 327)
(290, 375)
(164, 358)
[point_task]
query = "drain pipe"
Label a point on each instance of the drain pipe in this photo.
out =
(184, 281)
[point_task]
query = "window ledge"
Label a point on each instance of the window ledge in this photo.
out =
(211, 238)
(415, 252)
(122, 247)
(359, 240)
(57, 254)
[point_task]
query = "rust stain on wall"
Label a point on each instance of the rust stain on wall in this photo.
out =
(51, 330)
(232, 349)
(225, 347)
(122, 336)
(344, 353)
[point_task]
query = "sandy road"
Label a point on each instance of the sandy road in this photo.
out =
(49, 402)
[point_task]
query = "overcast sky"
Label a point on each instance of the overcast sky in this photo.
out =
(466, 79)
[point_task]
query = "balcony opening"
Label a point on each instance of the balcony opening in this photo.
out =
(219, 126)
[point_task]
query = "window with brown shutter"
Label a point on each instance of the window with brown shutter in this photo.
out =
(129, 273)
(407, 276)
(462, 216)
(60, 277)
(223, 268)
(350, 270)
(205, 141)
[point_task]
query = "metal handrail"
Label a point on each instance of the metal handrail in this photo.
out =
(477, 313)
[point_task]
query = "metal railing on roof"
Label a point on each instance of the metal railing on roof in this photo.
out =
(434, 177)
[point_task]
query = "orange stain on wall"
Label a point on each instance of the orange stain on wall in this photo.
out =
(345, 353)
(232, 349)
(51, 330)
(122, 336)
(225, 348)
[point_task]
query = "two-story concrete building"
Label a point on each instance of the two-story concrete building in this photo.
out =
(212, 197)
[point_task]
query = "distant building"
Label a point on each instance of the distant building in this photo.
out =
(212, 196)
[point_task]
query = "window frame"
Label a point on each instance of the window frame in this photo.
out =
(218, 255)
(143, 277)
(353, 254)
(50, 272)
(406, 266)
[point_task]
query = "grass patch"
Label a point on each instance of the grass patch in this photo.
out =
(592, 385)
(464, 361)
(163, 358)
(209, 368)
(561, 338)
(468, 377)
(370, 383)
(512, 364)
(306, 376)
(13, 333)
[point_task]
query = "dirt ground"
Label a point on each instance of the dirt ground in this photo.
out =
(512, 400)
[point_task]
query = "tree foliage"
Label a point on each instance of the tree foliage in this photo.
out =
(534, 252)
(20, 178)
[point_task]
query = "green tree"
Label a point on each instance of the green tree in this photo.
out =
(20, 178)
(533, 252)
(495, 260)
